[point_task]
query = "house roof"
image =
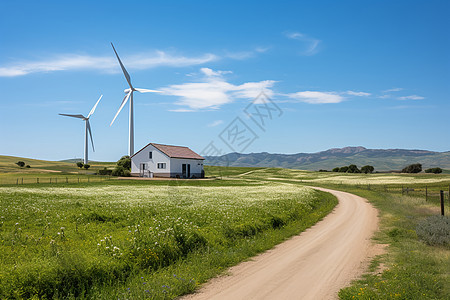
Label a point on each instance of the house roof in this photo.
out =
(174, 151)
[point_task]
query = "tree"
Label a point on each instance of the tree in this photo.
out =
(367, 169)
(353, 169)
(434, 170)
(414, 168)
(86, 166)
(20, 164)
(80, 164)
(125, 162)
(335, 169)
(343, 169)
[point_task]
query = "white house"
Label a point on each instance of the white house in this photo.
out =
(166, 161)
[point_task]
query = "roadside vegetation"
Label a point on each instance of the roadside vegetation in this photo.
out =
(417, 255)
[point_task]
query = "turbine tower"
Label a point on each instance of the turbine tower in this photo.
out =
(129, 95)
(87, 128)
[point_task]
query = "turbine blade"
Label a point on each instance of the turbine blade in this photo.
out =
(93, 108)
(147, 91)
(124, 101)
(90, 134)
(127, 76)
(74, 116)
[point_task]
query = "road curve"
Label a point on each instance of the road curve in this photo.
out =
(313, 265)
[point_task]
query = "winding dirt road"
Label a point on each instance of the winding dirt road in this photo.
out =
(313, 265)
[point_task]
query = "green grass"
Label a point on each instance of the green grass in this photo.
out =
(9, 168)
(131, 239)
(412, 269)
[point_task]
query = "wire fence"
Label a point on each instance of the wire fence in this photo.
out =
(429, 193)
(52, 180)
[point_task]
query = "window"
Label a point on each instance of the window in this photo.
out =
(161, 165)
(150, 155)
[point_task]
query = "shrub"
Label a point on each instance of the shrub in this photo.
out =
(124, 162)
(86, 166)
(435, 230)
(343, 169)
(353, 169)
(367, 169)
(105, 171)
(20, 164)
(434, 170)
(335, 169)
(27, 166)
(80, 164)
(322, 170)
(414, 168)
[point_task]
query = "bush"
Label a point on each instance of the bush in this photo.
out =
(105, 171)
(343, 169)
(353, 169)
(121, 171)
(322, 170)
(414, 168)
(20, 164)
(367, 169)
(434, 170)
(86, 166)
(335, 169)
(27, 166)
(80, 164)
(124, 162)
(435, 230)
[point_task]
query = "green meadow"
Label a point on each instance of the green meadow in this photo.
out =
(128, 239)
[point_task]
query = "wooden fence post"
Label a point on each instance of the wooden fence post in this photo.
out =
(426, 193)
(442, 202)
(22, 180)
(402, 189)
(37, 180)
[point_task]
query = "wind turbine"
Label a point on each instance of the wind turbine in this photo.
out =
(87, 128)
(129, 95)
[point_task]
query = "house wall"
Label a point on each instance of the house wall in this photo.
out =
(152, 164)
(176, 165)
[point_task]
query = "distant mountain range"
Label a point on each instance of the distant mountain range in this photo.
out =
(381, 159)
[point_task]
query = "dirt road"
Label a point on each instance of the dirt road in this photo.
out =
(313, 265)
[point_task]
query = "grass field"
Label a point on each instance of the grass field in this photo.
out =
(160, 239)
(128, 239)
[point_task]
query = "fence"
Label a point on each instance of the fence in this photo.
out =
(10, 180)
(429, 193)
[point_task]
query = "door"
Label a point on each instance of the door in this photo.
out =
(189, 171)
(183, 170)
(142, 168)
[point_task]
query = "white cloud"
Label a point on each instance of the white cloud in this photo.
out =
(411, 97)
(213, 90)
(215, 123)
(393, 90)
(104, 63)
(314, 97)
(310, 44)
(359, 94)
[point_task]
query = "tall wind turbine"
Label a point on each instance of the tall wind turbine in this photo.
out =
(129, 95)
(87, 128)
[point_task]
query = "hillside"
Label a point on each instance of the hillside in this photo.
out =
(381, 159)
(8, 165)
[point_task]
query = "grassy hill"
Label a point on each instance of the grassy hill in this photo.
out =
(8, 165)
(381, 159)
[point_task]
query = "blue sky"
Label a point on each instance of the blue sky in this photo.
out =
(337, 73)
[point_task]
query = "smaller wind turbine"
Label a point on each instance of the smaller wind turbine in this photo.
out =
(87, 128)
